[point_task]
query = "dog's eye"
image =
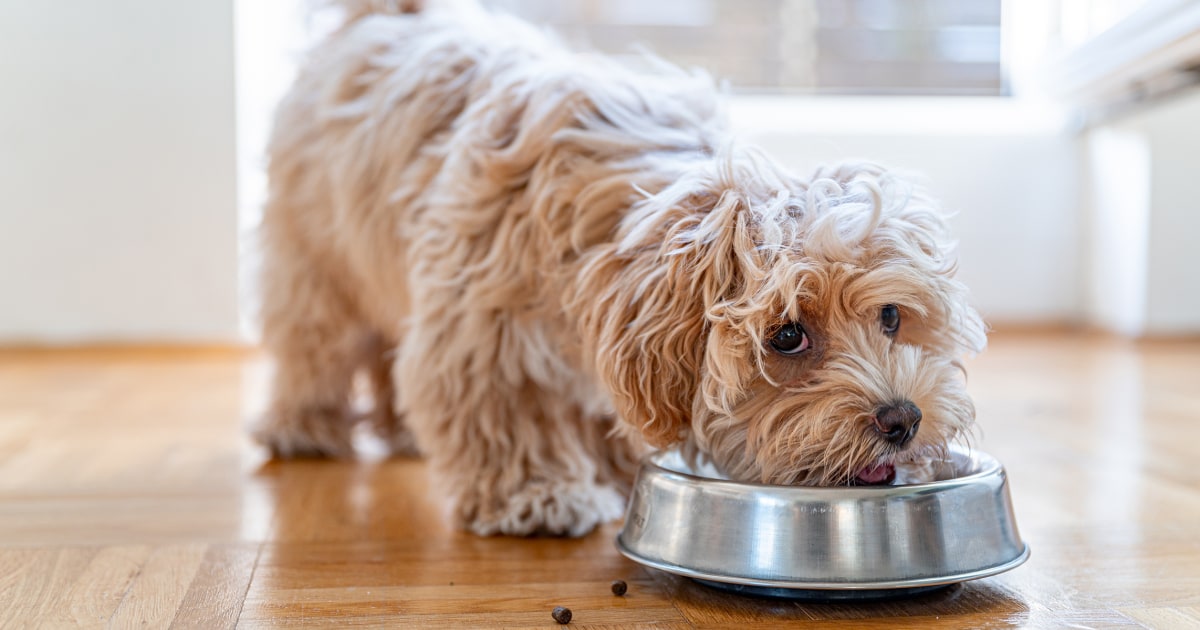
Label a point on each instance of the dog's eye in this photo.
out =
(790, 339)
(890, 318)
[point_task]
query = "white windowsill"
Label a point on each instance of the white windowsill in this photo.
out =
(883, 115)
(1158, 40)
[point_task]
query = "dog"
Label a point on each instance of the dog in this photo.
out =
(546, 263)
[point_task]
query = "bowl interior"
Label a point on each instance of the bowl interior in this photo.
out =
(959, 465)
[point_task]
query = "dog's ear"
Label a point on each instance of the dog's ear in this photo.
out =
(648, 303)
(967, 329)
(920, 237)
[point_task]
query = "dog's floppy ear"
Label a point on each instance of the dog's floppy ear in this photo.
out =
(646, 304)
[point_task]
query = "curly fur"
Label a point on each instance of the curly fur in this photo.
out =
(571, 260)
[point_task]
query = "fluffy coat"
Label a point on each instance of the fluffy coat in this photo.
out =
(564, 261)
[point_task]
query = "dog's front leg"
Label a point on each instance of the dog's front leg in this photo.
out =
(514, 458)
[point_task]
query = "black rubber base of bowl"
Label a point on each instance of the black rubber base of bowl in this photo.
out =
(823, 595)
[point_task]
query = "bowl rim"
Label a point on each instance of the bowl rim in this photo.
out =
(988, 466)
(817, 585)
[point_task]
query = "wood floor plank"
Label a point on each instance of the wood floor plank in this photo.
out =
(360, 494)
(1127, 566)
(214, 597)
(425, 572)
(153, 598)
(962, 605)
(119, 519)
(1166, 617)
(478, 605)
(36, 580)
(98, 590)
(454, 621)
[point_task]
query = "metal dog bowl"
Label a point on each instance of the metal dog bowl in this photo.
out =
(823, 543)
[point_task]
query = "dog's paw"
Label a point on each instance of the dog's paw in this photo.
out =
(552, 508)
(311, 433)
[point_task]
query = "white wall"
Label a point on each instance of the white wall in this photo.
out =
(1118, 224)
(1006, 169)
(1159, 195)
(1173, 274)
(117, 179)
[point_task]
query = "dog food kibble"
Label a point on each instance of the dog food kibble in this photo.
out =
(619, 587)
(561, 614)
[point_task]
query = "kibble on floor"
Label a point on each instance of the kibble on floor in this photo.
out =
(619, 587)
(561, 614)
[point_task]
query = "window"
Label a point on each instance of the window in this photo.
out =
(797, 46)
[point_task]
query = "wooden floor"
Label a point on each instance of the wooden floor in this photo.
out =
(130, 497)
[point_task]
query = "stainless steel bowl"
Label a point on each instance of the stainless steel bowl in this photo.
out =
(830, 543)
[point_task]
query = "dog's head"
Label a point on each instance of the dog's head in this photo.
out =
(795, 332)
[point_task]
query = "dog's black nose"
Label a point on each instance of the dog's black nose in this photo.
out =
(898, 423)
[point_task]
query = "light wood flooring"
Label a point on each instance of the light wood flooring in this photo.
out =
(129, 497)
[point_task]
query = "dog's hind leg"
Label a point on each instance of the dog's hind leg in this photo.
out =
(387, 420)
(316, 342)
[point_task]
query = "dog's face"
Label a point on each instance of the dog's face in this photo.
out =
(834, 370)
(802, 334)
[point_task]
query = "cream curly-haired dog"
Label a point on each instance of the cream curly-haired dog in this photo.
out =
(566, 260)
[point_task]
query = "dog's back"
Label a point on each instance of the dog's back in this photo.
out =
(455, 112)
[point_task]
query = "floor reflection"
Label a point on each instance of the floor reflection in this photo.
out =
(954, 606)
(314, 500)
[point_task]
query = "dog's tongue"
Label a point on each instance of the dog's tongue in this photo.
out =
(877, 474)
